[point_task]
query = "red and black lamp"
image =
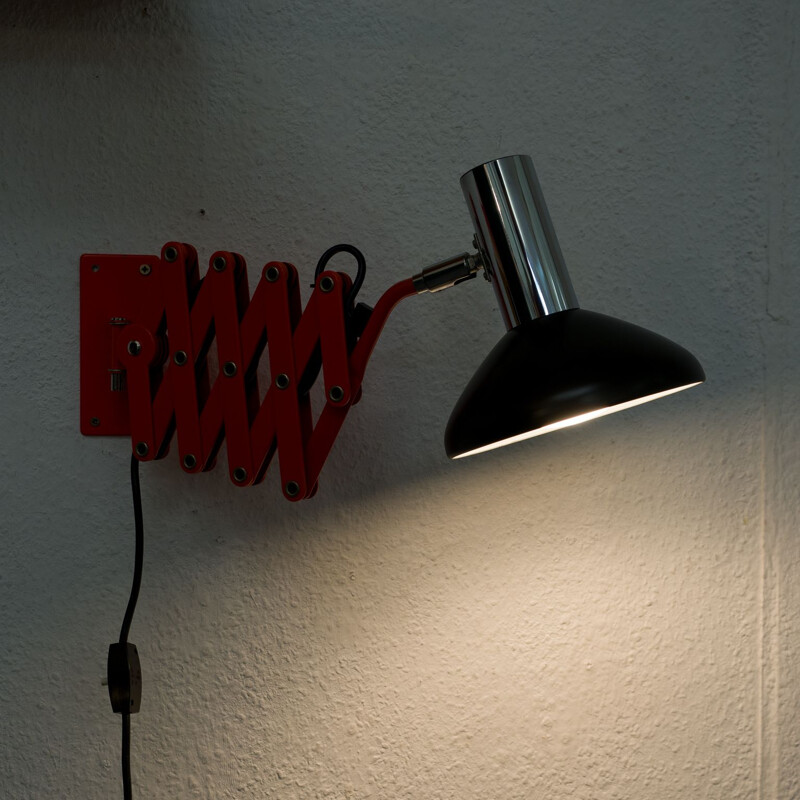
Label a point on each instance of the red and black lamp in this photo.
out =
(148, 324)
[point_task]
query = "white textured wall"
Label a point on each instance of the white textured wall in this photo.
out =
(608, 612)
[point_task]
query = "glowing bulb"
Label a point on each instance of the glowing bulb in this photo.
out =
(576, 420)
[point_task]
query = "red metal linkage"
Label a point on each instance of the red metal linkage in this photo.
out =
(147, 326)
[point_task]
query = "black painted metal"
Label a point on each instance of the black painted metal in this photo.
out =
(559, 366)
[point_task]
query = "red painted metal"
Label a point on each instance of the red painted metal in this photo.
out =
(147, 327)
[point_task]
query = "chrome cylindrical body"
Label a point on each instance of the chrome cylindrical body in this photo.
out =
(517, 241)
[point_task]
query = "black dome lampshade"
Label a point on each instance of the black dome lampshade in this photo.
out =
(557, 365)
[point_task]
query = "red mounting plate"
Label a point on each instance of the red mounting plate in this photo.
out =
(112, 286)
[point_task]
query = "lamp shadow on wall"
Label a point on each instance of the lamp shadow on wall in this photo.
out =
(378, 457)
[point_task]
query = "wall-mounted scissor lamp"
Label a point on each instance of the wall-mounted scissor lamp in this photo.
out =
(147, 324)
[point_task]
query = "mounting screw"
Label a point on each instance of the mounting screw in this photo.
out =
(229, 369)
(219, 264)
(145, 269)
(240, 474)
(180, 357)
(282, 381)
(134, 347)
(189, 461)
(292, 488)
(171, 254)
(94, 422)
(272, 274)
(142, 449)
(326, 284)
(336, 394)
(95, 268)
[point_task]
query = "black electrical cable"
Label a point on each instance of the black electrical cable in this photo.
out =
(127, 619)
(139, 556)
(127, 791)
(360, 261)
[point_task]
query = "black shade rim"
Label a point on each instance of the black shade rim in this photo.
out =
(563, 366)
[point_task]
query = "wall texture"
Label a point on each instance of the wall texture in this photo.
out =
(611, 611)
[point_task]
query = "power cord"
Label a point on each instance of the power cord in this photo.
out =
(124, 670)
(136, 491)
